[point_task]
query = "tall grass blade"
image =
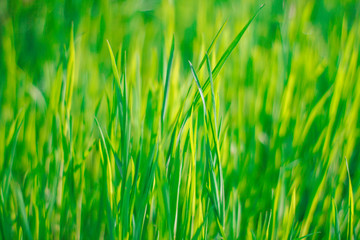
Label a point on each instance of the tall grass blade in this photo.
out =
(167, 80)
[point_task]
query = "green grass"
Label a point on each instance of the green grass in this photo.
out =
(179, 119)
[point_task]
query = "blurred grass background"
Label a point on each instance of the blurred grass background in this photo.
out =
(287, 105)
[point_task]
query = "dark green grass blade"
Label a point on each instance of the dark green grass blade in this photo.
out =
(307, 235)
(5, 221)
(8, 168)
(107, 180)
(335, 222)
(350, 227)
(166, 196)
(167, 80)
(198, 231)
(126, 129)
(21, 211)
(213, 191)
(146, 190)
(221, 178)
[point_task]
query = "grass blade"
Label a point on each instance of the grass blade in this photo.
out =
(22, 212)
(199, 86)
(113, 64)
(227, 53)
(167, 81)
(208, 52)
(212, 90)
(350, 226)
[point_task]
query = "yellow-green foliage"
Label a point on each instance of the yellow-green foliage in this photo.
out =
(167, 119)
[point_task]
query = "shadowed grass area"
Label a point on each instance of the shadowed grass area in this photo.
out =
(179, 119)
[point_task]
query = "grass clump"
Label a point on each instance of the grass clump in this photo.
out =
(151, 120)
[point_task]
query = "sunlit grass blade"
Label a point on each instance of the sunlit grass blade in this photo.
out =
(113, 64)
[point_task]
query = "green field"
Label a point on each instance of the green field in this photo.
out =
(171, 119)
